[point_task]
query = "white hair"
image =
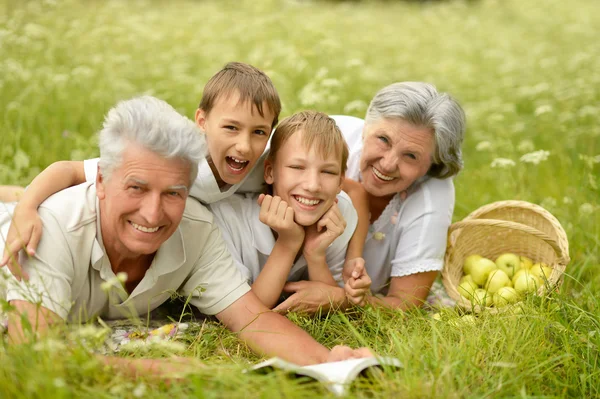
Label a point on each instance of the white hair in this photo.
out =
(421, 105)
(154, 125)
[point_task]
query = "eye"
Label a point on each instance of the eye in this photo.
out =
(383, 139)
(297, 167)
(331, 172)
(260, 132)
(135, 188)
(230, 127)
(411, 156)
(173, 194)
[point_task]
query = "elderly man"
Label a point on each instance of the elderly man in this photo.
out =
(137, 219)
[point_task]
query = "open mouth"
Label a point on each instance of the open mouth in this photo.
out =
(307, 203)
(144, 229)
(381, 176)
(236, 165)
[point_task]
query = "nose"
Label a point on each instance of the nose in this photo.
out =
(152, 209)
(243, 144)
(389, 163)
(312, 182)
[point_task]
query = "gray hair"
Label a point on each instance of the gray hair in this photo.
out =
(154, 125)
(421, 105)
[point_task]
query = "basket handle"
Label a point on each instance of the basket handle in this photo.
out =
(509, 225)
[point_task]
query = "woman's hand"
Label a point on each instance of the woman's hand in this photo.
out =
(279, 216)
(322, 234)
(357, 283)
(24, 233)
(310, 296)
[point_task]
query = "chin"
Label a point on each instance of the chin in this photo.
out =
(305, 220)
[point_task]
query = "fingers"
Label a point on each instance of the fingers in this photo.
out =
(10, 260)
(287, 305)
(294, 286)
(359, 268)
(36, 235)
(260, 199)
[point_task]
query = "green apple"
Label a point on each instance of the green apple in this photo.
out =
(541, 271)
(469, 262)
(468, 319)
(482, 297)
(505, 295)
(481, 269)
(527, 283)
(520, 272)
(466, 289)
(436, 316)
(467, 278)
(526, 263)
(496, 280)
(509, 263)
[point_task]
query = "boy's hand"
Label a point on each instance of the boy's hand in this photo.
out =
(343, 352)
(357, 282)
(310, 296)
(322, 234)
(276, 214)
(24, 233)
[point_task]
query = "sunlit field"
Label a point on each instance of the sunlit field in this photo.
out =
(527, 73)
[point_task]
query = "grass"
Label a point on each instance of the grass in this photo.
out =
(526, 73)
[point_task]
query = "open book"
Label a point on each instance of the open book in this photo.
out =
(336, 375)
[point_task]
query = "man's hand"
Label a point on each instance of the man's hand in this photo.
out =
(357, 282)
(24, 234)
(321, 235)
(342, 352)
(276, 214)
(310, 296)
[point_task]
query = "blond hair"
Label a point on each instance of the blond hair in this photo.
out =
(252, 84)
(318, 129)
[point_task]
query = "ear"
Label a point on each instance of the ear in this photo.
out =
(100, 188)
(342, 177)
(200, 118)
(268, 171)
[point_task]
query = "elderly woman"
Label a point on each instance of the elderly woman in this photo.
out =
(405, 154)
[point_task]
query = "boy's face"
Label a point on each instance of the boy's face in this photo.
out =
(236, 135)
(304, 179)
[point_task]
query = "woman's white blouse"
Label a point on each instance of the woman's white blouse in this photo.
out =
(410, 236)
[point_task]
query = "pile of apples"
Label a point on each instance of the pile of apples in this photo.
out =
(503, 282)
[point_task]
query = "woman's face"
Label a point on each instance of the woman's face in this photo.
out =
(395, 154)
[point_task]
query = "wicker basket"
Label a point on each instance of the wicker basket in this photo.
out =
(519, 227)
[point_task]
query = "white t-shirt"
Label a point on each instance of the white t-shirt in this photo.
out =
(70, 264)
(410, 236)
(251, 242)
(205, 188)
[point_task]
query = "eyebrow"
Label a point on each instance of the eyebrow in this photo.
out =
(236, 122)
(326, 165)
(145, 183)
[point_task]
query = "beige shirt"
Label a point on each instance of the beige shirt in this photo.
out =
(70, 265)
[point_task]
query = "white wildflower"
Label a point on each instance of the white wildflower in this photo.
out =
(59, 383)
(548, 202)
(502, 163)
(588, 110)
(139, 390)
(331, 82)
(586, 209)
(535, 157)
(355, 106)
(567, 200)
(354, 62)
(49, 345)
(543, 109)
(483, 146)
(525, 146)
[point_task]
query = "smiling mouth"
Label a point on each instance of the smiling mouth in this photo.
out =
(144, 229)
(307, 202)
(381, 176)
(236, 164)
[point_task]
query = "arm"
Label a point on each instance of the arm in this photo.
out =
(26, 228)
(360, 200)
(406, 292)
(11, 193)
(276, 214)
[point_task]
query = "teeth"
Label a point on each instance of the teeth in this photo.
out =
(381, 175)
(144, 229)
(307, 201)
(238, 160)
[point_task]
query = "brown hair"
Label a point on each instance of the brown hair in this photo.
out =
(318, 129)
(251, 83)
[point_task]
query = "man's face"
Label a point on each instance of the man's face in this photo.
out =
(304, 179)
(142, 202)
(236, 135)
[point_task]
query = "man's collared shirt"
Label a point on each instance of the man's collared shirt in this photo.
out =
(70, 265)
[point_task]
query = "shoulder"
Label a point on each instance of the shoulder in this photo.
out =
(431, 195)
(72, 208)
(345, 205)
(235, 206)
(348, 124)
(195, 211)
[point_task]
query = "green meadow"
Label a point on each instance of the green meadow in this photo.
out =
(526, 72)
